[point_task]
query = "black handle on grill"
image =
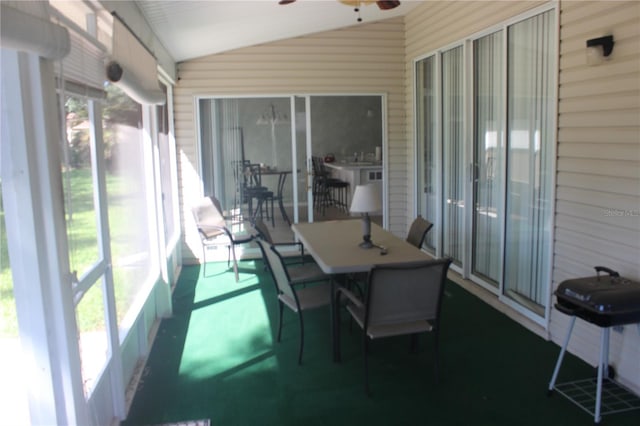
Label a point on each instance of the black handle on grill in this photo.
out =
(609, 271)
(566, 310)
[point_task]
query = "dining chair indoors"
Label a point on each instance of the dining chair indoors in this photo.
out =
(213, 231)
(300, 288)
(418, 231)
(401, 299)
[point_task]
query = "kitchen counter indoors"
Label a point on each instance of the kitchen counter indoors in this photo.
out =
(357, 173)
(355, 165)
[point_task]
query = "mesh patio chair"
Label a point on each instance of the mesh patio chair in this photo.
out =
(300, 288)
(418, 231)
(213, 231)
(401, 299)
(263, 231)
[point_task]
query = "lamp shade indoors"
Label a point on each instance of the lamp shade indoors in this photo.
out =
(366, 199)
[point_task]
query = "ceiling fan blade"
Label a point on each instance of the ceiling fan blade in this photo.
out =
(388, 4)
(383, 4)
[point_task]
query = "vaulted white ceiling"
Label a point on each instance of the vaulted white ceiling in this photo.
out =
(191, 29)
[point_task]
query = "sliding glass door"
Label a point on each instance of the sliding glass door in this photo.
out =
(282, 134)
(489, 157)
(452, 154)
(530, 127)
(490, 128)
(427, 131)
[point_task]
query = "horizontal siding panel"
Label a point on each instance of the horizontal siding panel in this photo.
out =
(290, 65)
(626, 100)
(385, 41)
(601, 167)
(598, 118)
(598, 87)
(599, 183)
(606, 200)
(595, 252)
(586, 247)
(600, 230)
(595, 213)
(244, 74)
(605, 149)
(577, 16)
(307, 58)
(325, 52)
(578, 135)
(569, 265)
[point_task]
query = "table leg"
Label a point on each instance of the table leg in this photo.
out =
(334, 306)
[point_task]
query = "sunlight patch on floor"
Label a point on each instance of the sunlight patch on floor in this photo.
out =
(233, 333)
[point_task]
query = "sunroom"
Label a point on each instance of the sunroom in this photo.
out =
(490, 105)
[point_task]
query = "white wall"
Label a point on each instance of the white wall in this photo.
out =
(598, 176)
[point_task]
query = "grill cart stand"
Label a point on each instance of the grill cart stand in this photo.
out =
(574, 297)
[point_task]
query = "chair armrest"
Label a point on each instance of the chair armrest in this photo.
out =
(205, 231)
(306, 273)
(288, 243)
(224, 230)
(349, 295)
(292, 244)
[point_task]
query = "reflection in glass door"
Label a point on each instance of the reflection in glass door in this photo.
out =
(304, 212)
(242, 134)
(530, 127)
(426, 134)
(346, 140)
(453, 150)
(488, 179)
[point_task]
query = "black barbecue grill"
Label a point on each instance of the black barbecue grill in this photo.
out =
(606, 301)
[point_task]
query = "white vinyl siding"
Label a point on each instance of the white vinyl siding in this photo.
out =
(598, 167)
(367, 58)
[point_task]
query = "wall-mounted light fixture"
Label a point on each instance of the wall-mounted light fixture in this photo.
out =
(598, 49)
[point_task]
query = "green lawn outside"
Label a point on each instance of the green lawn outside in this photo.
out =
(82, 235)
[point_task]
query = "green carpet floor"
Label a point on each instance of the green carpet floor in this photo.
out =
(217, 359)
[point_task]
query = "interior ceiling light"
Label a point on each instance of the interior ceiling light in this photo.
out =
(356, 4)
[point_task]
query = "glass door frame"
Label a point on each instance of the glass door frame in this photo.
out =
(469, 159)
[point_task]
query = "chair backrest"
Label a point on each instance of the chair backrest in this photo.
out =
(315, 162)
(405, 292)
(418, 231)
(263, 230)
(217, 205)
(239, 172)
(254, 172)
(276, 265)
(208, 217)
